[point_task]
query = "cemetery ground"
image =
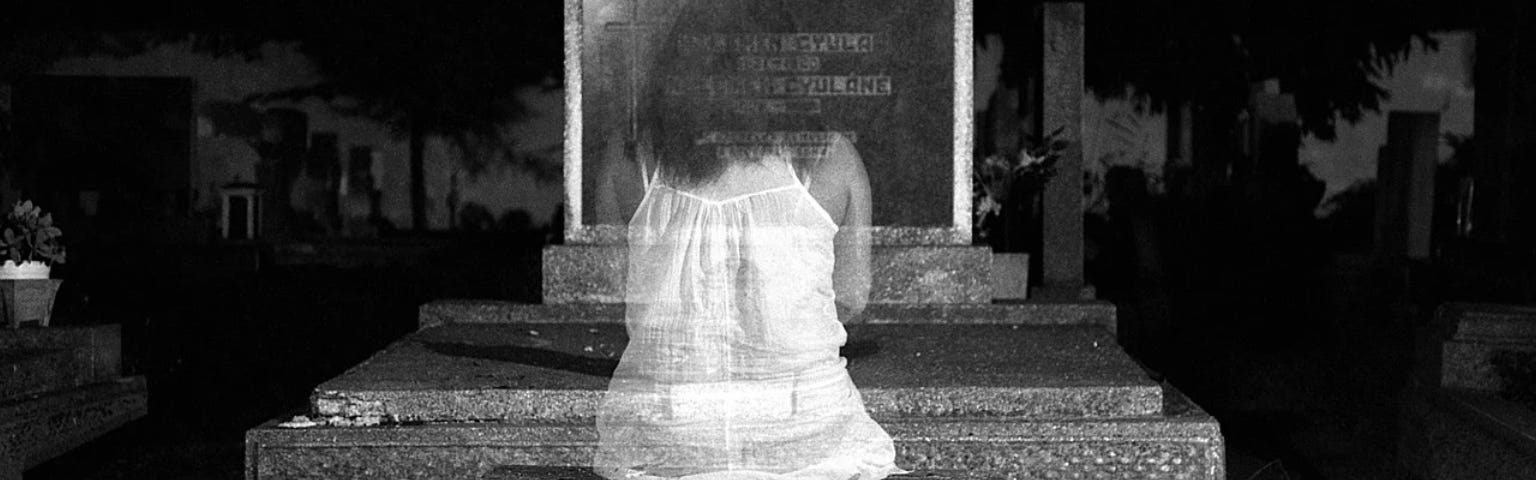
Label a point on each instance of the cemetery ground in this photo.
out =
(1305, 387)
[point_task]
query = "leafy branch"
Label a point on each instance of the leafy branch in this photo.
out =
(29, 235)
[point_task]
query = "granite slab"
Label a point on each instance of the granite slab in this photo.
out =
(905, 274)
(522, 472)
(1032, 312)
(557, 372)
(1491, 323)
(37, 360)
(1465, 435)
(36, 428)
(1184, 443)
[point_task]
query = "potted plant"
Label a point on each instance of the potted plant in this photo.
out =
(29, 247)
(1007, 186)
(1006, 206)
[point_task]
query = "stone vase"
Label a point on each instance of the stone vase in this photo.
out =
(27, 270)
(27, 301)
(1017, 230)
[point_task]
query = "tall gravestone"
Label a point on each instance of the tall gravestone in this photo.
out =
(896, 85)
(892, 77)
(1405, 179)
(968, 388)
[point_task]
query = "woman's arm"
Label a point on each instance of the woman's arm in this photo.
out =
(619, 186)
(851, 273)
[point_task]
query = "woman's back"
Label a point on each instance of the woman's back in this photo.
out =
(744, 262)
(732, 369)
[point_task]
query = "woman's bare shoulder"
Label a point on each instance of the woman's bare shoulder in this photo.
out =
(837, 178)
(840, 165)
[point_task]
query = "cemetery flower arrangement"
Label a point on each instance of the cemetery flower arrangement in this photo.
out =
(29, 235)
(1000, 179)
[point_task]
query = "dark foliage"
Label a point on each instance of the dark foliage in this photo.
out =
(1517, 370)
(448, 70)
(1208, 51)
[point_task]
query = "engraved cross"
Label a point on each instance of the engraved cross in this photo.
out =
(634, 27)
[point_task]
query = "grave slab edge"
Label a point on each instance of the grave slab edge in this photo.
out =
(579, 405)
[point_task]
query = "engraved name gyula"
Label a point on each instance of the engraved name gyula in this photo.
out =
(778, 43)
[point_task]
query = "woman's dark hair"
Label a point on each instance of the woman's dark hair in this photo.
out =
(678, 108)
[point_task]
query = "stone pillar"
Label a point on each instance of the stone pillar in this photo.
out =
(1405, 182)
(1062, 212)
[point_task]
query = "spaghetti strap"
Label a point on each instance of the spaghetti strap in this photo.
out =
(802, 179)
(648, 178)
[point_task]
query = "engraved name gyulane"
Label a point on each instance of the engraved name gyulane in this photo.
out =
(728, 86)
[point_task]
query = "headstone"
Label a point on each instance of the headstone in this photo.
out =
(897, 86)
(283, 144)
(1405, 183)
(357, 193)
(318, 190)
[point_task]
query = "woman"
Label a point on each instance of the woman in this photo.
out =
(748, 251)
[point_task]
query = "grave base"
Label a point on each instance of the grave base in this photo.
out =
(1463, 435)
(992, 400)
(1186, 445)
(36, 429)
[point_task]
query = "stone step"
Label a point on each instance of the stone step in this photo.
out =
(38, 360)
(1186, 443)
(901, 274)
(517, 372)
(1100, 313)
(30, 371)
(37, 428)
(523, 472)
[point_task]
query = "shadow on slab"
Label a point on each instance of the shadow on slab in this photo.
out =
(537, 357)
(601, 367)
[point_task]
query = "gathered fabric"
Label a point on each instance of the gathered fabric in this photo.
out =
(732, 370)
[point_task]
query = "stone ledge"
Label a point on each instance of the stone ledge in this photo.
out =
(507, 405)
(39, 360)
(1468, 365)
(1100, 313)
(1463, 435)
(1188, 446)
(911, 274)
(522, 472)
(1490, 323)
(557, 372)
(38, 428)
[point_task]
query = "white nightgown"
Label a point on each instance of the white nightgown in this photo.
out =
(732, 369)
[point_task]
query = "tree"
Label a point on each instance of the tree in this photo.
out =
(421, 68)
(1207, 52)
(427, 70)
